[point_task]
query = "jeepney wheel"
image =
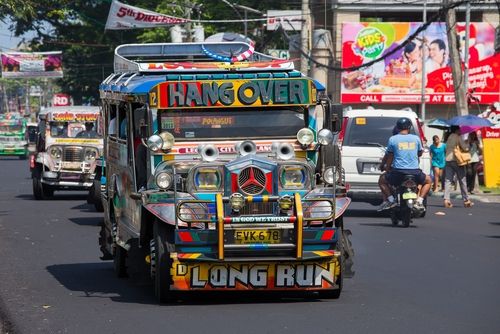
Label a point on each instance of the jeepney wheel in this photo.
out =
(161, 245)
(95, 196)
(40, 191)
(120, 261)
(335, 294)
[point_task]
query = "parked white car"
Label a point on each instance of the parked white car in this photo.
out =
(363, 141)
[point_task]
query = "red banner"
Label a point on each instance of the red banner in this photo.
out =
(398, 77)
(32, 65)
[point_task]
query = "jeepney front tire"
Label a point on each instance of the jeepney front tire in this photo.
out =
(160, 259)
(120, 261)
(95, 196)
(40, 191)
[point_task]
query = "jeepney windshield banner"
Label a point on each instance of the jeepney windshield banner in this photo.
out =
(193, 125)
(73, 117)
(232, 93)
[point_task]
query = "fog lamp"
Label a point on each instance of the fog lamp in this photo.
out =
(285, 202)
(237, 202)
(329, 175)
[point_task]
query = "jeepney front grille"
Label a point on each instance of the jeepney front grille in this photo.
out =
(257, 209)
(73, 154)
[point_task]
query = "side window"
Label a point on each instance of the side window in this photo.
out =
(122, 121)
(112, 120)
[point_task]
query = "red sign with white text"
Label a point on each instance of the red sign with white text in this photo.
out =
(494, 131)
(61, 100)
(398, 77)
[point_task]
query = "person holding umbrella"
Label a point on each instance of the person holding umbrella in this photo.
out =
(452, 167)
(476, 148)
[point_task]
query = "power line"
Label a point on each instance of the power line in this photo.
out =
(439, 14)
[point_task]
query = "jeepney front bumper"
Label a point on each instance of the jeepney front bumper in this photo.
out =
(273, 252)
(69, 175)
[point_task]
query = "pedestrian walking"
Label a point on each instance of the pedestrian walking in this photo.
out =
(475, 149)
(437, 151)
(455, 145)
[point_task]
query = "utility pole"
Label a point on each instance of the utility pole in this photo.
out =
(304, 36)
(424, 77)
(456, 68)
(466, 46)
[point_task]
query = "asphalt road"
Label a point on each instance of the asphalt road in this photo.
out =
(440, 276)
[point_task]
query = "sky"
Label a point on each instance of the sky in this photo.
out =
(8, 42)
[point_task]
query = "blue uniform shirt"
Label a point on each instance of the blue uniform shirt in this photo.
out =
(405, 149)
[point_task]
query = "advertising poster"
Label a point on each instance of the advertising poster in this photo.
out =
(32, 65)
(398, 78)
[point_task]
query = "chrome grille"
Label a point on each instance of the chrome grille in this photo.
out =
(252, 181)
(73, 154)
(257, 209)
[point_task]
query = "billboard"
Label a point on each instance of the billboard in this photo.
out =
(32, 65)
(398, 78)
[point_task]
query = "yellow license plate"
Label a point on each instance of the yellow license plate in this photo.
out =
(409, 196)
(257, 236)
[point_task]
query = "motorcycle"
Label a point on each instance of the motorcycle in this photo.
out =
(406, 195)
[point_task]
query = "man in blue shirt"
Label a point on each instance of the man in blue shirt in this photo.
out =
(403, 152)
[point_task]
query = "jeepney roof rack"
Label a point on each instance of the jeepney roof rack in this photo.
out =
(193, 57)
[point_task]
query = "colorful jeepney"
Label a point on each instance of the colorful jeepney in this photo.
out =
(66, 153)
(12, 140)
(221, 175)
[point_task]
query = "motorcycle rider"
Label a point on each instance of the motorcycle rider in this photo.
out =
(403, 152)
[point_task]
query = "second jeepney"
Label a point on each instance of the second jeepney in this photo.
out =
(221, 175)
(67, 152)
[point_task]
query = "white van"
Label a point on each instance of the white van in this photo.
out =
(363, 140)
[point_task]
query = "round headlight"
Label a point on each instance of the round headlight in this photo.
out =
(55, 152)
(285, 202)
(237, 202)
(325, 137)
(207, 179)
(90, 154)
(163, 180)
(329, 175)
(155, 143)
(305, 136)
(293, 177)
(168, 140)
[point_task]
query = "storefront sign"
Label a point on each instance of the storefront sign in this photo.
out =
(491, 149)
(32, 65)
(398, 77)
(233, 93)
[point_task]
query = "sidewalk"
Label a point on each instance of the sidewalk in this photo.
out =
(478, 197)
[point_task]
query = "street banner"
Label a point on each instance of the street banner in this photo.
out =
(32, 65)
(398, 77)
(123, 16)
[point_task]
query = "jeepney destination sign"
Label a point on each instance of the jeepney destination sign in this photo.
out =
(237, 93)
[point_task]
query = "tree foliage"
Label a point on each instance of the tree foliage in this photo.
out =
(76, 27)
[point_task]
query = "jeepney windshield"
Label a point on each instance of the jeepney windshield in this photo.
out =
(248, 124)
(65, 129)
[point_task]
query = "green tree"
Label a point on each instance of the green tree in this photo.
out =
(76, 27)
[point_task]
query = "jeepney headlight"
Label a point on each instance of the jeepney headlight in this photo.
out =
(91, 154)
(207, 178)
(329, 175)
(163, 180)
(293, 177)
(55, 152)
(305, 136)
(285, 202)
(168, 140)
(155, 143)
(325, 137)
(237, 202)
